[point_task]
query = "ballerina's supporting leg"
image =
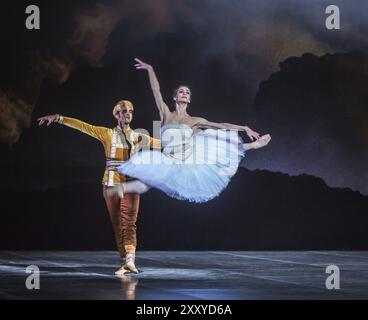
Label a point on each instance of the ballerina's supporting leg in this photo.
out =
(135, 186)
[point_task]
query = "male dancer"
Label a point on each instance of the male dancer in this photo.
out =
(120, 143)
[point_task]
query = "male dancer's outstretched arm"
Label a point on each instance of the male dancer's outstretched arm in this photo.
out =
(97, 132)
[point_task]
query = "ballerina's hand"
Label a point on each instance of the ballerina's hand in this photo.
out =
(252, 134)
(48, 119)
(142, 65)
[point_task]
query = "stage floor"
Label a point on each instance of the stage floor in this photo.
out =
(183, 275)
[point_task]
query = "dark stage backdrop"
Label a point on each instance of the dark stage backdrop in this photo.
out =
(272, 65)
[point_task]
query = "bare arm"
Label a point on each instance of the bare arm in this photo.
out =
(161, 105)
(203, 123)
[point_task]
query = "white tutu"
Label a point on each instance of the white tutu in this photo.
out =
(194, 167)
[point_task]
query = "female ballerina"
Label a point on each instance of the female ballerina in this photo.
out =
(198, 157)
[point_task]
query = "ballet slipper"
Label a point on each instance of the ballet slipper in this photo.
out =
(261, 142)
(129, 265)
(121, 271)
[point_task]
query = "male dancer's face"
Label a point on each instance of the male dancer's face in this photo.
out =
(125, 116)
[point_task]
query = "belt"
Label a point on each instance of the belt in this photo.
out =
(112, 165)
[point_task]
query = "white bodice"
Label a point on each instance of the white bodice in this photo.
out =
(176, 140)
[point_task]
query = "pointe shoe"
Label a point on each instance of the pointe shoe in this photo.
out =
(261, 142)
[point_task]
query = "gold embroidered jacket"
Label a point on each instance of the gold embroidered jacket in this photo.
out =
(119, 145)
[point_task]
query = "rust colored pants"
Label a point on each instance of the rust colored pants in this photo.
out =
(123, 215)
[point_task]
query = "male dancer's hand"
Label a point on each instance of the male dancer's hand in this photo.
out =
(49, 119)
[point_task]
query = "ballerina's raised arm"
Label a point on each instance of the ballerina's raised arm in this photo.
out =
(161, 105)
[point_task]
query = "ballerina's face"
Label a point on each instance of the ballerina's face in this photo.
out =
(183, 95)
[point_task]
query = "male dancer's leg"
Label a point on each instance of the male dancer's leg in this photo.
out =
(129, 208)
(112, 200)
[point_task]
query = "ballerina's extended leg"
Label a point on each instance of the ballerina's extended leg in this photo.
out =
(259, 143)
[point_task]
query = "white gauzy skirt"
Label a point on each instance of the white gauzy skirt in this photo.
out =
(196, 171)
